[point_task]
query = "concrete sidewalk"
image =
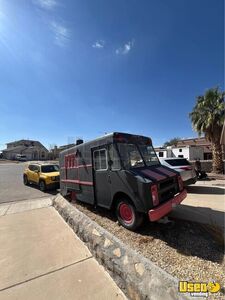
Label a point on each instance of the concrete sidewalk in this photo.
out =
(41, 257)
(205, 203)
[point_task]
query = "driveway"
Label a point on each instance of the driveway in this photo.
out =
(205, 203)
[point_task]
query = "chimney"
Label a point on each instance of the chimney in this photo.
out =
(79, 141)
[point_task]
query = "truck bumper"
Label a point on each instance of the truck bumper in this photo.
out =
(162, 210)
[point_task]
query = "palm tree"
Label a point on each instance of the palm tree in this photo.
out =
(207, 118)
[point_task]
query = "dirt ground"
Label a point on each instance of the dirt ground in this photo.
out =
(182, 248)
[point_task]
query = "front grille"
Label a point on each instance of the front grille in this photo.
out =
(167, 195)
(167, 189)
(166, 183)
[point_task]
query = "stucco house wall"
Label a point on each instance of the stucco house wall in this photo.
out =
(33, 150)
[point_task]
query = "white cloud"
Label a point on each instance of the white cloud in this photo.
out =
(46, 4)
(61, 33)
(99, 44)
(125, 48)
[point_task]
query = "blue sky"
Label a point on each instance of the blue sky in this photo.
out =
(74, 68)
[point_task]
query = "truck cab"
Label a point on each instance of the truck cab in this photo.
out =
(121, 172)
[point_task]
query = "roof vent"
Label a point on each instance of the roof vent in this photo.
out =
(79, 141)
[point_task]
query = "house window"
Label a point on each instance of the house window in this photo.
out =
(180, 150)
(161, 154)
(180, 156)
(100, 160)
(207, 156)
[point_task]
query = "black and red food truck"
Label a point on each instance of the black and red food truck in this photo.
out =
(121, 171)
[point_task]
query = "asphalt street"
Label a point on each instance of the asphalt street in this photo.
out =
(12, 187)
(204, 202)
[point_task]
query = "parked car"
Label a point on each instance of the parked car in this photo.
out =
(121, 172)
(21, 157)
(181, 165)
(46, 176)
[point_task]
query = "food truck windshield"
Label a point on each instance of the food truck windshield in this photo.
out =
(137, 155)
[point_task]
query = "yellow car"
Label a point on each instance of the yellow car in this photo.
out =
(46, 176)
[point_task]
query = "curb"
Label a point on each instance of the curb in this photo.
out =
(136, 275)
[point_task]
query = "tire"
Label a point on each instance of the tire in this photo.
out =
(25, 180)
(127, 215)
(42, 185)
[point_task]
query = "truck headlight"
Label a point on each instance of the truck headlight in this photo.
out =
(53, 178)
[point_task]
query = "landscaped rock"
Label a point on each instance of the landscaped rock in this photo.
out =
(117, 252)
(95, 232)
(107, 243)
(125, 260)
(139, 267)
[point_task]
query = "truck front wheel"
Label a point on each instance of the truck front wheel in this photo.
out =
(127, 215)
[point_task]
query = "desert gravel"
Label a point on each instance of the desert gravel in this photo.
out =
(183, 249)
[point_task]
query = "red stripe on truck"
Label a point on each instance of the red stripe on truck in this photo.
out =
(77, 167)
(153, 175)
(77, 181)
(166, 172)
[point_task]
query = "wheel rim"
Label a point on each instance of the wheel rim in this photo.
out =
(126, 213)
(42, 185)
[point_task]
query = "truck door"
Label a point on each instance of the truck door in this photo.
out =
(102, 181)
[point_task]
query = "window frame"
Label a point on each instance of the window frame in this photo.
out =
(36, 167)
(98, 150)
(114, 145)
(153, 149)
(31, 167)
(161, 154)
(123, 165)
(40, 168)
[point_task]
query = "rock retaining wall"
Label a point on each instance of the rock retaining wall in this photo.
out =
(136, 275)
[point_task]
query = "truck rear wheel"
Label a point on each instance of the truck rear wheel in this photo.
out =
(127, 215)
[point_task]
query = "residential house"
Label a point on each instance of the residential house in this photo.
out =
(33, 150)
(188, 152)
(200, 142)
(191, 149)
(54, 153)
